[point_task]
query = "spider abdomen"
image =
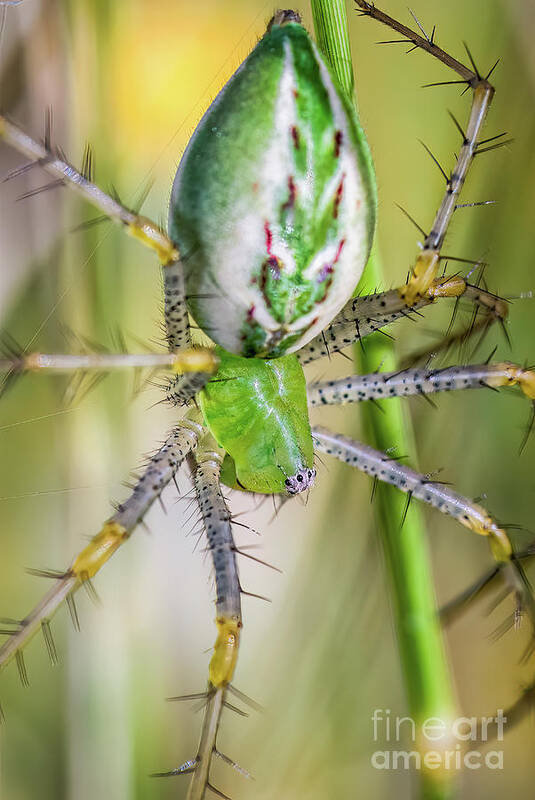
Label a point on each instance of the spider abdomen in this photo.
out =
(273, 204)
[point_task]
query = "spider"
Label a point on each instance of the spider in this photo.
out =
(277, 326)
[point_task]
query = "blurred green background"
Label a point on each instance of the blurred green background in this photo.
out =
(133, 78)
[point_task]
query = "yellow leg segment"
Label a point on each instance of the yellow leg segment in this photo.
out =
(467, 513)
(443, 287)
(137, 226)
(198, 359)
(424, 284)
(223, 661)
(480, 522)
(512, 375)
(99, 550)
(158, 473)
(195, 359)
(149, 234)
(423, 274)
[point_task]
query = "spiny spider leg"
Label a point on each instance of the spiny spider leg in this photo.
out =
(197, 359)
(381, 385)
(444, 344)
(480, 588)
(181, 388)
(515, 713)
(217, 523)
(176, 315)
(426, 266)
(364, 315)
(192, 367)
(470, 514)
(138, 226)
(118, 528)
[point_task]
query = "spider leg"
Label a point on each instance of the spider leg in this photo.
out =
(524, 703)
(442, 497)
(480, 588)
(199, 359)
(364, 315)
(182, 388)
(218, 526)
(138, 226)
(118, 528)
(515, 713)
(191, 368)
(381, 385)
(426, 266)
(55, 164)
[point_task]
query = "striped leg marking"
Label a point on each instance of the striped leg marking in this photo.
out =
(441, 497)
(380, 385)
(160, 471)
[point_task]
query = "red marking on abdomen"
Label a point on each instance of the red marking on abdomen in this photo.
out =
(271, 271)
(338, 139)
(338, 252)
(292, 192)
(338, 197)
(269, 237)
(295, 137)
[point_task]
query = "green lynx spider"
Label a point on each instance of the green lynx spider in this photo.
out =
(195, 368)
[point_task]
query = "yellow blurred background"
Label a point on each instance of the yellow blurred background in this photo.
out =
(133, 78)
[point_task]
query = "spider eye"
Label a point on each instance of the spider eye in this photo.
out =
(300, 478)
(287, 482)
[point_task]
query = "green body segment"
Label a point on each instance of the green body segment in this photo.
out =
(257, 411)
(273, 205)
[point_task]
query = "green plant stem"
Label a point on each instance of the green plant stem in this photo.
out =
(423, 659)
